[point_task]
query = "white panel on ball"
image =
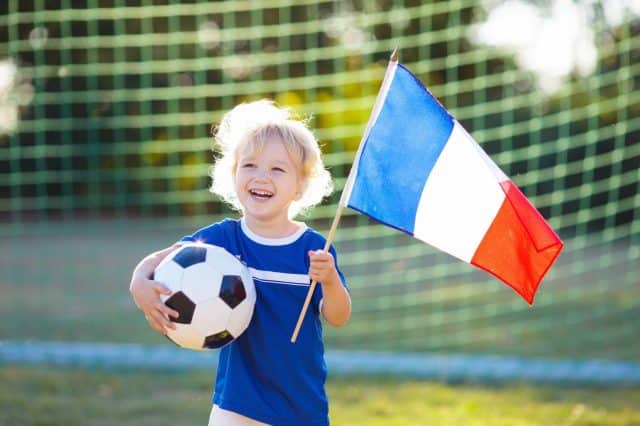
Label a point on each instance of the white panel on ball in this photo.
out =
(200, 281)
(187, 337)
(223, 261)
(211, 316)
(169, 273)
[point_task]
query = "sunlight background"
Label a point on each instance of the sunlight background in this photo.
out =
(553, 42)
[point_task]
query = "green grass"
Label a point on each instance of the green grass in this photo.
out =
(44, 396)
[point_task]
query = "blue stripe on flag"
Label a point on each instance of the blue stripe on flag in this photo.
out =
(400, 152)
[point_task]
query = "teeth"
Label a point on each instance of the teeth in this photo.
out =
(261, 193)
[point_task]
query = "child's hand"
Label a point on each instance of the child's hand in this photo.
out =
(146, 294)
(323, 267)
(336, 303)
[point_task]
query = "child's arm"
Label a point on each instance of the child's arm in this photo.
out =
(146, 292)
(336, 303)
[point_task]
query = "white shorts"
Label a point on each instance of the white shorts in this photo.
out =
(222, 417)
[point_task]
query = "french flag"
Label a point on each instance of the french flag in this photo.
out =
(419, 171)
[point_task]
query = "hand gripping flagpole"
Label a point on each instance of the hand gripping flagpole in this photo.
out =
(346, 192)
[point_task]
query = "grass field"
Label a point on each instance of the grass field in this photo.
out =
(42, 396)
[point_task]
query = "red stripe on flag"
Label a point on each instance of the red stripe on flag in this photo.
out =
(519, 247)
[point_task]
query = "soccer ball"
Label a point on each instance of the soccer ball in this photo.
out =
(212, 291)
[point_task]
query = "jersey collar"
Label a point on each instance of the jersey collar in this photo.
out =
(271, 241)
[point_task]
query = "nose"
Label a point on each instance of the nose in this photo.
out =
(260, 174)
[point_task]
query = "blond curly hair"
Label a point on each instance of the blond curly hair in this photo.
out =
(250, 126)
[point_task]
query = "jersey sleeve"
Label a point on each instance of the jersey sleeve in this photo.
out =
(213, 234)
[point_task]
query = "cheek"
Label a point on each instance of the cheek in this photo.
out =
(239, 179)
(241, 174)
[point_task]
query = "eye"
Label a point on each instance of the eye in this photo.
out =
(278, 169)
(248, 165)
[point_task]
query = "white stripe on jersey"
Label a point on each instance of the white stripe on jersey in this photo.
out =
(280, 277)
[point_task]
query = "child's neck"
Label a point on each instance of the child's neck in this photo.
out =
(272, 228)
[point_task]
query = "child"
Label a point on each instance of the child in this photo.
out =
(270, 169)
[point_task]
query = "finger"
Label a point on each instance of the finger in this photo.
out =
(155, 324)
(161, 288)
(313, 272)
(163, 322)
(167, 311)
(315, 254)
(318, 275)
(318, 263)
(317, 266)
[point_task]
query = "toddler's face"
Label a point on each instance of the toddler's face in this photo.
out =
(267, 181)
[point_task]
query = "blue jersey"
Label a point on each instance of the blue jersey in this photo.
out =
(261, 374)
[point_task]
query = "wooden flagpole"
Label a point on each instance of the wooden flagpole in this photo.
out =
(341, 206)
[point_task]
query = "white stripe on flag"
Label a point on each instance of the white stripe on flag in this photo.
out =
(498, 173)
(460, 198)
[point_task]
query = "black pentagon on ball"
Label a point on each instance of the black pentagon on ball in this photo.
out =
(190, 256)
(232, 290)
(217, 340)
(185, 307)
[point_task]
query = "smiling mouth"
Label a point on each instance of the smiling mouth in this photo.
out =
(261, 194)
